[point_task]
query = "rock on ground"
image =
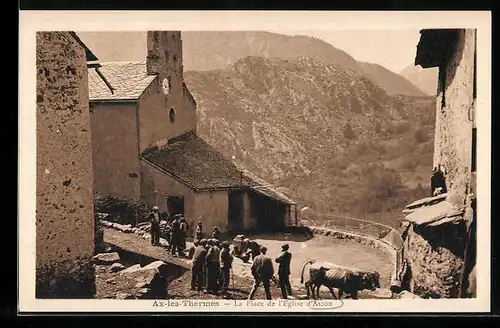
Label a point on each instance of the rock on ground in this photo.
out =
(125, 296)
(407, 295)
(106, 258)
(144, 276)
(130, 269)
(158, 265)
(115, 267)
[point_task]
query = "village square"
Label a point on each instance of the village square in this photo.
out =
(132, 203)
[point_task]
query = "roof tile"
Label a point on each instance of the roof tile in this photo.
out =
(128, 79)
(194, 161)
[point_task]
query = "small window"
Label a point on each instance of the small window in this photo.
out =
(172, 115)
(174, 57)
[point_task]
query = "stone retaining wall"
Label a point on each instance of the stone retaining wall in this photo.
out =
(362, 239)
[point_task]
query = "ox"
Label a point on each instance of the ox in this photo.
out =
(346, 280)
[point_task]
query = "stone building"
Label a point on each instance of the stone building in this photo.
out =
(64, 205)
(145, 147)
(439, 251)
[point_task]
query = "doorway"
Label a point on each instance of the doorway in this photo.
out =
(175, 205)
(235, 211)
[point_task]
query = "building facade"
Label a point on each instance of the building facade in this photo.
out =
(145, 146)
(64, 205)
(440, 237)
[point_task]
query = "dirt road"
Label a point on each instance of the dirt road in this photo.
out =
(323, 248)
(320, 248)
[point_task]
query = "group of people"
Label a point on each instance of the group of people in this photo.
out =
(212, 259)
(211, 266)
(176, 231)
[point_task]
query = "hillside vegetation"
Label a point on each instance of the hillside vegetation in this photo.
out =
(328, 136)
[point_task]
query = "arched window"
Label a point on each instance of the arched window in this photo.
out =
(172, 115)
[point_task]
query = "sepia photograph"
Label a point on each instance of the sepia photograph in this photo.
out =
(268, 169)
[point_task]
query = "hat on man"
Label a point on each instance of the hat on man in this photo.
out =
(203, 242)
(263, 249)
(285, 247)
(155, 208)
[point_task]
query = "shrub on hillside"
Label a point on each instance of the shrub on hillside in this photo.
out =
(349, 132)
(409, 164)
(402, 127)
(421, 135)
(123, 211)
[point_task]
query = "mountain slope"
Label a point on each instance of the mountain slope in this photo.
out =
(391, 82)
(216, 50)
(315, 129)
(424, 79)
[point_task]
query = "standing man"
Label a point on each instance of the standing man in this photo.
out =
(199, 231)
(213, 267)
(175, 236)
(226, 261)
(198, 265)
(262, 271)
(284, 271)
(182, 233)
(154, 218)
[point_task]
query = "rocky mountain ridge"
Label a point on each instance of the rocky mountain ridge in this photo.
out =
(312, 128)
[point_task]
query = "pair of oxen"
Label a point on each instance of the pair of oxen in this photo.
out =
(346, 280)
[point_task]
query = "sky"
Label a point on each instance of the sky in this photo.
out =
(393, 49)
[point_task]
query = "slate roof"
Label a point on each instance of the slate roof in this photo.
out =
(425, 202)
(193, 161)
(128, 79)
(436, 214)
(263, 187)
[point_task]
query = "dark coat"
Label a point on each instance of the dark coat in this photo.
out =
(262, 267)
(199, 256)
(284, 263)
(213, 255)
(226, 259)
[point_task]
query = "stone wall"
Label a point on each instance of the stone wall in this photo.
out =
(455, 116)
(115, 149)
(211, 207)
(167, 92)
(157, 185)
(435, 256)
(361, 239)
(64, 212)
